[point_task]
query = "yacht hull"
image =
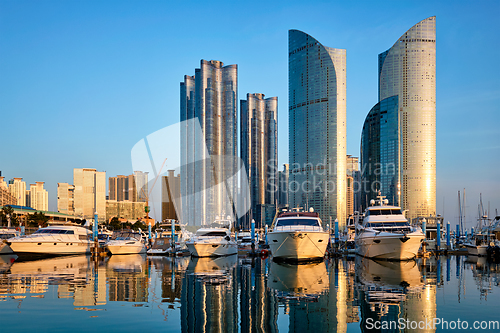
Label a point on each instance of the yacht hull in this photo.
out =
(50, 248)
(298, 245)
(477, 250)
(389, 246)
(5, 249)
(212, 249)
(126, 248)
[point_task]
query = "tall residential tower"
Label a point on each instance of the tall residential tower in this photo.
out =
(317, 126)
(259, 152)
(209, 155)
(398, 142)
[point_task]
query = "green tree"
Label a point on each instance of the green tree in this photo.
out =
(139, 224)
(37, 219)
(115, 224)
(8, 213)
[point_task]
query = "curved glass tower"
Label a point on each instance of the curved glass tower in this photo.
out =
(317, 126)
(406, 150)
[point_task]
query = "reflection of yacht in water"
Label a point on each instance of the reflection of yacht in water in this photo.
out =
(384, 233)
(212, 270)
(304, 282)
(390, 290)
(6, 260)
(67, 268)
(298, 236)
(130, 263)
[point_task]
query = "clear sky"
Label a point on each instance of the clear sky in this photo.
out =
(82, 81)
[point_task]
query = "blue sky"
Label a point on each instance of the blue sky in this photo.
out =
(82, 81)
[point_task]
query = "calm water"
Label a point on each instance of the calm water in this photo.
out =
(132, 293)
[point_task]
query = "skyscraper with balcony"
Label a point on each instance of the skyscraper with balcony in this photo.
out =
(317, 126)
(209, 156)
(259, 152)
(398, 141)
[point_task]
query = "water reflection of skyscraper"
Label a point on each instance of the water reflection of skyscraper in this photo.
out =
(317, 301)
(209, 295)
(393, 290)
(259, 307)
(172, 271)
(127, 278)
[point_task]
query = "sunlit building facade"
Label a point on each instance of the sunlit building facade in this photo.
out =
(208, 158)
(18, 190)
(89, 193)
(259, 152)
(38, 197)
(405, 121)
(317, 126)
(66, 198)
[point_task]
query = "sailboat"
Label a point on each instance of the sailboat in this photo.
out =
(479, 242)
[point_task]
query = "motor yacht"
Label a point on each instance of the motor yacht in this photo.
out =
(162, 244)
(298, 236)
(126, 242)
(56, 239)
(384, 233)
(6, 233)
(213, 241)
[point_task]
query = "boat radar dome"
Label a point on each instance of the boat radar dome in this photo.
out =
(386, 201)
(372, 202)
(311, 210)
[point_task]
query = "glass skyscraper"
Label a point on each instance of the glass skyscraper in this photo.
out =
(209, 155)
(399, 134)
(259, 152)
(317, 126)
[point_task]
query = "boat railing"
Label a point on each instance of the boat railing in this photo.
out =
(297, 228)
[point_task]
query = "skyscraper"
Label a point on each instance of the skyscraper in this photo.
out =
(38, 197)
(18, 189)
(208, 157)
(317, 126)
(89, 193)
(132, 188)
(398, 142)
(66, 198)
(259, 120)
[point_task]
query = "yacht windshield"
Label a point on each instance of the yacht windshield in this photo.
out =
(212, 233)
(54, 231)
(392, 211)
(386, 224)
(300, 221)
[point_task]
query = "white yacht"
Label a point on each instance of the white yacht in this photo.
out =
(126, 242)
(298, 236)
(384, 233)
(162, 244)
(6, 233)
(56, 239)
(213, 241)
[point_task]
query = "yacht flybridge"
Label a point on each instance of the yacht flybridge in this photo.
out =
(384, 233)
(298, 236)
